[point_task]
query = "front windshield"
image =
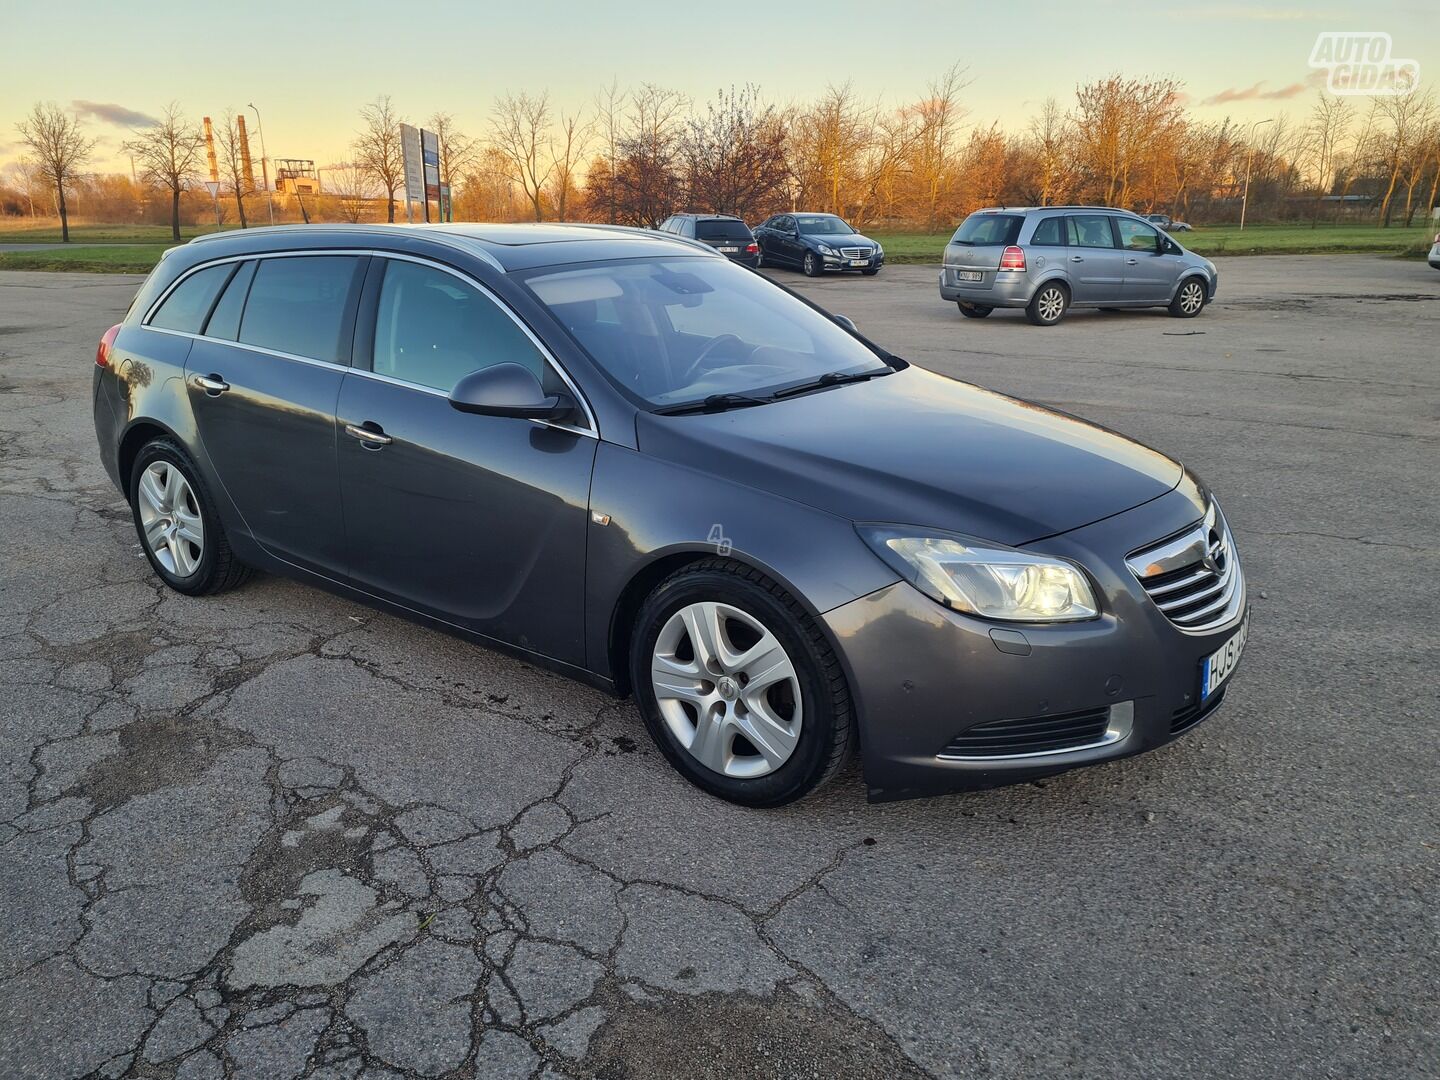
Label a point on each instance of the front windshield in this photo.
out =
(823, 225)
(677, 330)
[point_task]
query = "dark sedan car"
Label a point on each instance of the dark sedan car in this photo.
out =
(618, 455)
(726, 234)
(816, 244)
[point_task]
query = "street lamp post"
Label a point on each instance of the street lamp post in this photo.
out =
(1249, 157)
(264, 157)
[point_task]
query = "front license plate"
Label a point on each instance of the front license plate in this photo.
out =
(969, 275)
(1220, 665)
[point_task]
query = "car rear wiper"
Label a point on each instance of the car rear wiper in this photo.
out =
(715, 403)
(833, 378)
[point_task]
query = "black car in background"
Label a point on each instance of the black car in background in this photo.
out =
(726, 234)
(816, 243)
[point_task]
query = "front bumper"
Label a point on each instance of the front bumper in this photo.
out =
(1434, 256)
(921, 674)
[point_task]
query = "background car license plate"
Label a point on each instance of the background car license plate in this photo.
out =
(1218, 666)
(729, 250)
(968, 275)
(859, 262)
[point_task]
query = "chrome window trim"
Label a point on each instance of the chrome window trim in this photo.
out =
(1119, 726)
(592, 431)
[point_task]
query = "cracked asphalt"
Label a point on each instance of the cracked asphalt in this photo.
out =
(277, 834)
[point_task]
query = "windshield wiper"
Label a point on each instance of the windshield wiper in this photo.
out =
(715, 403)
(833, 378)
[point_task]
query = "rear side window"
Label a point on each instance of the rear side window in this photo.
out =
(1089, 230)
(190, 301)
(1049, 232)
(297, 305)
(721, 230)
(988, 230)
(225, 319)
(433, 329)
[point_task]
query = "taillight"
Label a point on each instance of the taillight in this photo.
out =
(752, 248)
(1012, 258)
(102, 353)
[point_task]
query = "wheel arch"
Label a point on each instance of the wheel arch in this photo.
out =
(1193, 274)
(141, 431)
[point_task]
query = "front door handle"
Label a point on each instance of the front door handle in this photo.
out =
(372, 437)
(1077, 258)
(1131, 262)
(212, 384)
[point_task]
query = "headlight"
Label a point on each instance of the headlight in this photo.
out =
(983, 579)
(826, 249)
(879, 250)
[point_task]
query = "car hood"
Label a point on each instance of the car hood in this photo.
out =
(921, 449)
(849, 240)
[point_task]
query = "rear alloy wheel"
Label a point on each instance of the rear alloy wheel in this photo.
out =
(1047, 306)
(1189, 300)
(811, 264)
(973, 311)
(738, 686)
(177, 524)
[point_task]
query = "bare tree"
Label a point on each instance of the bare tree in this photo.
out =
(58, 148)
(353, 187)
(519, 128)
(458, 152)
(377, 149)
(168, 155)
(1050, 132)
(609, 118)
(937, 119)
(1329, 121)
(233, 155)
(735, 155)
(567, 149)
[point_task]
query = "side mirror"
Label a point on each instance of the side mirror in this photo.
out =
(508, 390)
(847, 322)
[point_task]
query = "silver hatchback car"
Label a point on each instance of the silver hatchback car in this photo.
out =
(1048, 259)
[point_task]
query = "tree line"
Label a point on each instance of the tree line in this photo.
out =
(635, 155)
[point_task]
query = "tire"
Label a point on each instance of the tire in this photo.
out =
(1047, 307)
(973, 311)
(759, 258)
(1189, 299)
(819, 726)
(177, 505)
(871, 272)
(811, 265)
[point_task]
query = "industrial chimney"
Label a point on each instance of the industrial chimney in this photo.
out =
(245, 152)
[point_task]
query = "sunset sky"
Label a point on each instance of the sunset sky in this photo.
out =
(310, 66)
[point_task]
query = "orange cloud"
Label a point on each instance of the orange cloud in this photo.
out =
(1255, 93)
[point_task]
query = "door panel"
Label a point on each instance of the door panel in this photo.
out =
(1096, 266)
(271, 439)
(1149, 275)
(479, 520)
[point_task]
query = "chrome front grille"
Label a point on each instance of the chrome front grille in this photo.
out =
(855, 253)
(1195, 577)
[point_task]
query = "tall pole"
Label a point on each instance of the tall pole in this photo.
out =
(1249, 157)
(264, 158)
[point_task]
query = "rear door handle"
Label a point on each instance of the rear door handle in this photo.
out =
(212, 384)
(372, 437)
(1131, 262)
(1077, 258)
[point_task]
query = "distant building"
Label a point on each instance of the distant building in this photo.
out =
(296, 176)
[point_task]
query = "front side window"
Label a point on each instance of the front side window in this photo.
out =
(432, 328)
(1089, 230)
(823, 225)
(676, 330)
(1137, 236)
(189, 302)
(298, 305)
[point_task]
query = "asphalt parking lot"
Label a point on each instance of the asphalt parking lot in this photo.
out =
(279, 834)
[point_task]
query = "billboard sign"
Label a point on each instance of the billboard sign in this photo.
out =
(430, 151)
(414, 165)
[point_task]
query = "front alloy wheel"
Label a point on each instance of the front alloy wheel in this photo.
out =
(739, 686)
(1189, 300)
(811, 265)
(727, 690)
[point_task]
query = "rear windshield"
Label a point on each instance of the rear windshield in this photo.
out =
(721, 230)
(984, 230)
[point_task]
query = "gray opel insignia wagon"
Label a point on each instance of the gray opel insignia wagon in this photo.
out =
(619, 455)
